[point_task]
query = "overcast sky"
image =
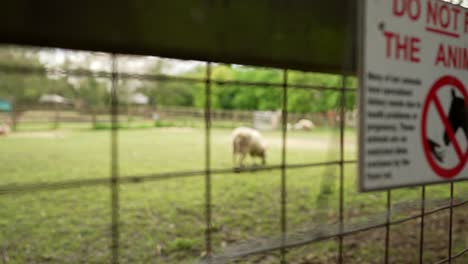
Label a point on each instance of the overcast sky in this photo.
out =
(102, 61)
(463, 3)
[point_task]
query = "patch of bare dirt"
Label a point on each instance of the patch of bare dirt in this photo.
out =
(38, 134)
(312, 144)
(176, 129)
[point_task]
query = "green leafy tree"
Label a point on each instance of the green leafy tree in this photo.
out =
(95, 96)
(249, 97)
(169, 92)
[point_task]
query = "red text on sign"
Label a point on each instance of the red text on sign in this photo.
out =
(441, 15)
(402, 47)
(412, 8)
(466, 22)
(452, 57)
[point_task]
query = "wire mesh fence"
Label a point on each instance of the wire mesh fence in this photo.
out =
(99, 191)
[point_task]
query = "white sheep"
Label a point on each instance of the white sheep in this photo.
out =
(304, 124)
(247, 141)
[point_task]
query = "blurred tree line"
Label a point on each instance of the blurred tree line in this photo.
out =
(251, 97)
(92, 94)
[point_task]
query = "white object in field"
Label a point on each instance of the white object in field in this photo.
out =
(304, 124)
(245, 141)
(264, 120)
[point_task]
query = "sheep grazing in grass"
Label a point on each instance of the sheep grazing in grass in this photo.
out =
(304, 124)
(247, 141)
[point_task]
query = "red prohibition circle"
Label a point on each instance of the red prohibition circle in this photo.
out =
(432, 98)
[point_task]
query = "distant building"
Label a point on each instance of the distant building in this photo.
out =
(139, 99)
(53, 99)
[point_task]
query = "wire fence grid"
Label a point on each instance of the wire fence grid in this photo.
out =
(288, 239)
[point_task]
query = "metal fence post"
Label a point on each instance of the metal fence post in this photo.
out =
(284, 117)
(114, 163)
(208, 243)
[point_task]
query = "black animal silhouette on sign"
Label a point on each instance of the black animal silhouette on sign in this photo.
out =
(458, 118)
(434, 146)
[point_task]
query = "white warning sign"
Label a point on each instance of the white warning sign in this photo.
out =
(413, 73)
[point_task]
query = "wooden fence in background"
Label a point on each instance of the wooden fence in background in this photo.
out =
(69, 114)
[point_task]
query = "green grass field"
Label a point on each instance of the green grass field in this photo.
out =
(163, 221)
